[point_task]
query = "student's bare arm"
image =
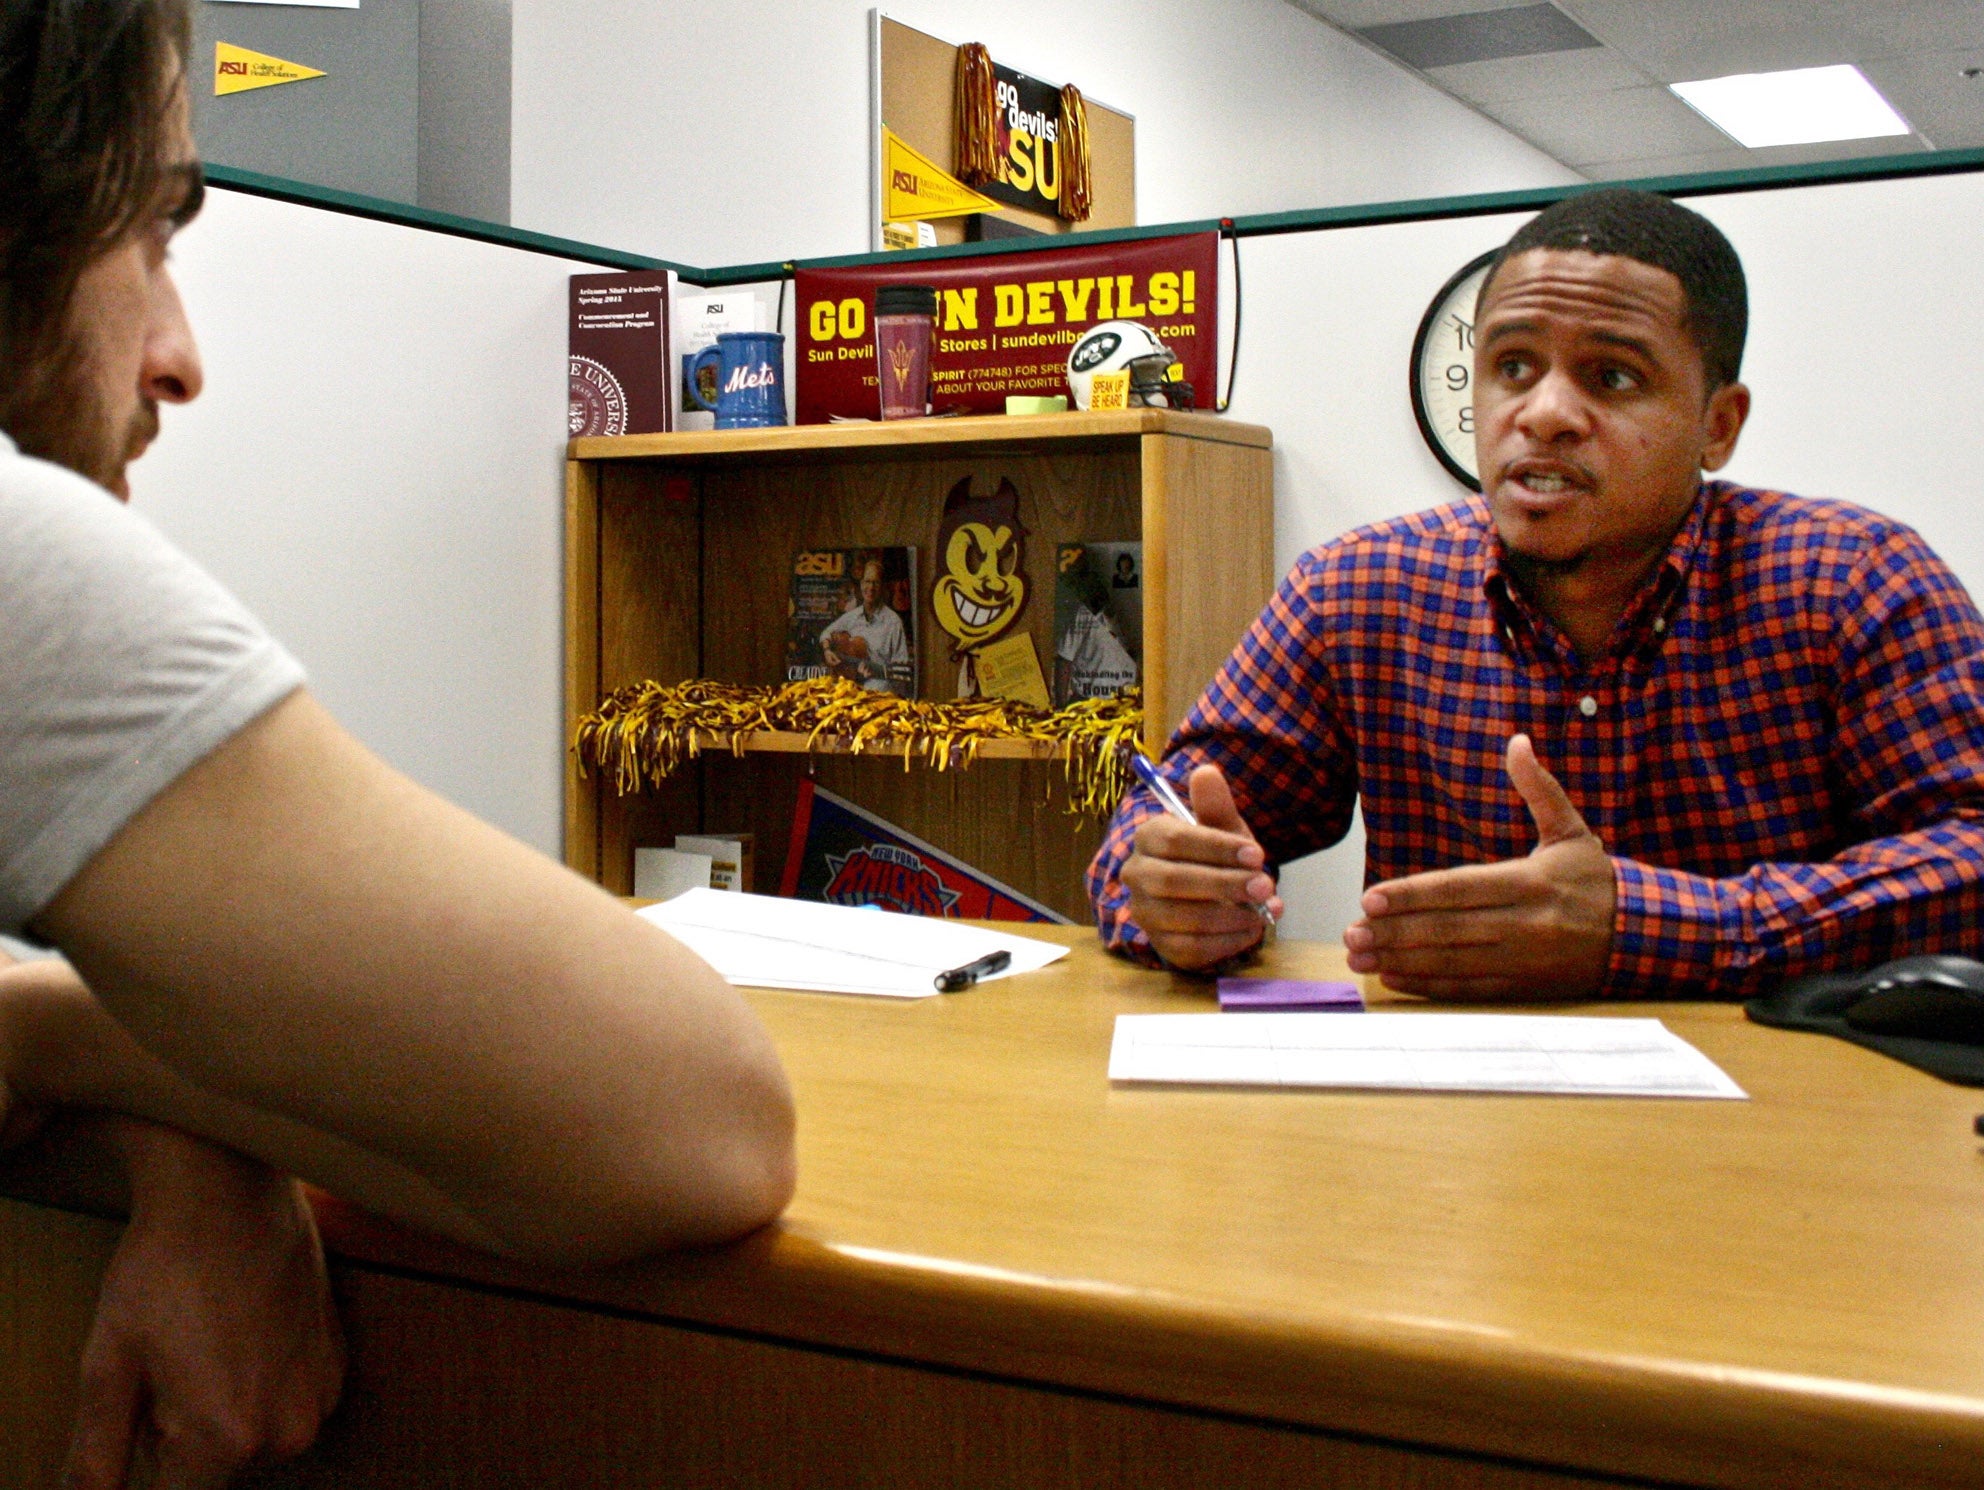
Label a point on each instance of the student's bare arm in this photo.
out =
(429, 1014)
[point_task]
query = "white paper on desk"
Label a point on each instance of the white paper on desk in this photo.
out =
(1558, 1054)
(767, 941)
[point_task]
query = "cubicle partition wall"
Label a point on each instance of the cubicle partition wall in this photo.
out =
(376, 468)
(376, 465)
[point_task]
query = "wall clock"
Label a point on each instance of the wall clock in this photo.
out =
(1443, 371)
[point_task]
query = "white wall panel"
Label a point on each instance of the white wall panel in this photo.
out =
(739, 133)
(376, 468)
(1866, 316)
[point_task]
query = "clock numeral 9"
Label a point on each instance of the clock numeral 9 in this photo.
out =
(1457, 375)
(1467, 419)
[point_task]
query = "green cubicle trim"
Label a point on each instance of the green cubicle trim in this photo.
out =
(1705, 183)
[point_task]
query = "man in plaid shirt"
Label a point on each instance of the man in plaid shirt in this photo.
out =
(1617, 730)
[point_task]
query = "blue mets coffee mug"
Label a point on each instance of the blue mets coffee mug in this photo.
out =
(750, 379)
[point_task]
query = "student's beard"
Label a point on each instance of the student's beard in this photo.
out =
(61, 418)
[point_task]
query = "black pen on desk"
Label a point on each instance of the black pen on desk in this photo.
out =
(960, 978)
(1175, 805)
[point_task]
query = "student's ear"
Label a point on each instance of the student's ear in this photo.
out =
(1722, 422)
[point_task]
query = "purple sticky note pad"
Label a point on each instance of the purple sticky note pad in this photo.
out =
(1288, 996)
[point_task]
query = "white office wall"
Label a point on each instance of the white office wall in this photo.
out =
(375, 464)
(1864, 299)
(376, 468)
(726, 134)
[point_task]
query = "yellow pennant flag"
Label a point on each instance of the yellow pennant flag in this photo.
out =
(914, 188)
(236, 70)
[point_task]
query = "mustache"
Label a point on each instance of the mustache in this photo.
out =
(144, 429)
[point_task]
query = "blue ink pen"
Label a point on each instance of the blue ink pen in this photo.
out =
(1175, 805)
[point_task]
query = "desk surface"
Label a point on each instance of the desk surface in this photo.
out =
(1784, 1290)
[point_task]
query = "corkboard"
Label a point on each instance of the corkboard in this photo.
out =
(918, 97)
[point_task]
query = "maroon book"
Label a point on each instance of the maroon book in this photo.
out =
(617, 353)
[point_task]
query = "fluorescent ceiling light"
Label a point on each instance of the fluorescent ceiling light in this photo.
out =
(1804, 106)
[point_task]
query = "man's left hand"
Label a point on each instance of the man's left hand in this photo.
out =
(216, 1344)
(1524, 929)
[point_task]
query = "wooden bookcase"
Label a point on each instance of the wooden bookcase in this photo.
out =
(678, 552)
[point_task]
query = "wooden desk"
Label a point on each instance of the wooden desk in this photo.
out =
(1000, 1271)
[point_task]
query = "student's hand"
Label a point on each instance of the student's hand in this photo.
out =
(1524, 929)
(1195, 890)
(216, 1344)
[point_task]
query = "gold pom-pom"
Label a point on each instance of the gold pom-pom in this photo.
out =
(644, 733)
(1077, 197)
(975, 157)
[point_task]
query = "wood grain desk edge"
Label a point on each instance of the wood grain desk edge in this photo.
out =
(1410, 1383)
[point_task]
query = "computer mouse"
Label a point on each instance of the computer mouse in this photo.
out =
(1926, 998)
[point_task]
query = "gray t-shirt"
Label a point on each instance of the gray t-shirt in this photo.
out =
(122, 663)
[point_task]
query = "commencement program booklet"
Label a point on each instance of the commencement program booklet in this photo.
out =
(617, 353)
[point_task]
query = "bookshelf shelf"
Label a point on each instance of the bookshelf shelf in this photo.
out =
(678, 558)
(790, 742)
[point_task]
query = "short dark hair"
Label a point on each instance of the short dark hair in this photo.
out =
(1654, 230)
(84, 91)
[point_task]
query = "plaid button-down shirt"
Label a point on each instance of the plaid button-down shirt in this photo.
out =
(1782, 747)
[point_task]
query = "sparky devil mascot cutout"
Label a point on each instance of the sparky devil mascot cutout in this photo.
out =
(982, 589)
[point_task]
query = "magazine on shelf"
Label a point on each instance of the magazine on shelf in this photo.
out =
(1098, 620)
(851, 613)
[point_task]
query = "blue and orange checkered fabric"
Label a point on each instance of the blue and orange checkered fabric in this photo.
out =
(1782, 748)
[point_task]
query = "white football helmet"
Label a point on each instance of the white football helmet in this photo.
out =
(1114, 346)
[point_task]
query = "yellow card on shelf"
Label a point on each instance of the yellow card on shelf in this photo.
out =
(1010, 668)
(1109, 390)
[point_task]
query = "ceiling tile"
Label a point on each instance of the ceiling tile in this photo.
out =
(1593, 70)
(1355, 15)
(1479, 36)
(1615, 125)
(1596, 110)
(1681, 40)
(1931, 93)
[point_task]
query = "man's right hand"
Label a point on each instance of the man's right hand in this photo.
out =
(1195, 890)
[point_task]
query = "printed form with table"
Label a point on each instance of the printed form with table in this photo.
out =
(765, 941)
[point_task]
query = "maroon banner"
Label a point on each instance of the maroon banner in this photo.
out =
(1005, 322)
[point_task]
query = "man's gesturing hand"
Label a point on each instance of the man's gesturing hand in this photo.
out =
(1534, 928)
(215, 1344)
(1195, 889)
